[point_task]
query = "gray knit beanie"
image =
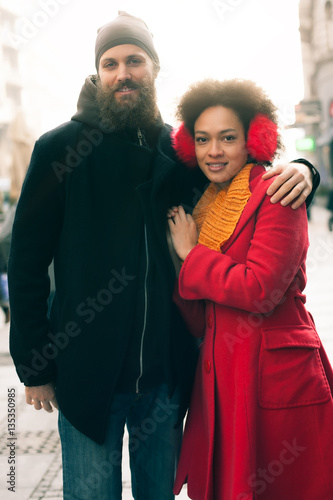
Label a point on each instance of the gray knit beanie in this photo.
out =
(122, 30)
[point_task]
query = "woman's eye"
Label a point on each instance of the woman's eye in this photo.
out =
(229, 138)
(201, 140)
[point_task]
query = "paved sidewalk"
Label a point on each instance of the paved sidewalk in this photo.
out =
(37, 447)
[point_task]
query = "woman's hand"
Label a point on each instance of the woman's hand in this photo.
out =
(183, 231)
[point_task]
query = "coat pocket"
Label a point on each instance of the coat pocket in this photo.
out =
(291, 373)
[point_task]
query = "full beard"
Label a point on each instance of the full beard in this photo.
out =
(127, 112)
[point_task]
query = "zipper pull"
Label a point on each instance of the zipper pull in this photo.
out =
(140, 137)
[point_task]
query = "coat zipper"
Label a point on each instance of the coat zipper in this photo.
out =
(145, 312)
(140, 136)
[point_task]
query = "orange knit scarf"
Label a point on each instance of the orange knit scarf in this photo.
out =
(217, 212)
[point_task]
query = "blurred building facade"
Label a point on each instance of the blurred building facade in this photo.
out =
(315, 112)
(31, 93)
(10, 87)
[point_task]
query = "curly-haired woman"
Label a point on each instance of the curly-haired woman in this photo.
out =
(260, 421)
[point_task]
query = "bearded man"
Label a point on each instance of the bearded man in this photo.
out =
(115, 350)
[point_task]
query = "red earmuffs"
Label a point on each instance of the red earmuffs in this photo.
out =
(183, 144)
(262, 138)
(262, 141)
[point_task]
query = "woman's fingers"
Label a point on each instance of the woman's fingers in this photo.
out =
(172, 212)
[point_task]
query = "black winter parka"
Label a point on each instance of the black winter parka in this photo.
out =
(89, 199)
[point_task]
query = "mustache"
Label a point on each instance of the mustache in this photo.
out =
(129, 85)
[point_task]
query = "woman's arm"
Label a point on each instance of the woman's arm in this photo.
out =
(276, 252)
(193, 313)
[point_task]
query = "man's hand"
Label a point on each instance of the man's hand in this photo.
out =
(294, 184)
(41, 396)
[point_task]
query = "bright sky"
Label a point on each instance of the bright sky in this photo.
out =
(195, 39)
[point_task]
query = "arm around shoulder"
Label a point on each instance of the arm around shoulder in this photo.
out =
(295, 183)
(275, 252)
(315, 179)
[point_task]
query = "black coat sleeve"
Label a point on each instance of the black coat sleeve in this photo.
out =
(316, 179)
(35, 234)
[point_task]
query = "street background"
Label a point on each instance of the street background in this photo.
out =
(38, 458)
(47, 50)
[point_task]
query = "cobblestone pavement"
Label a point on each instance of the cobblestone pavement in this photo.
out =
(37, 447)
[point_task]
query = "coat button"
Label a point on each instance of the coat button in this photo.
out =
(207, 366)
(210, 321)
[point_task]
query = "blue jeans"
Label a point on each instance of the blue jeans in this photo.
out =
(92, 471)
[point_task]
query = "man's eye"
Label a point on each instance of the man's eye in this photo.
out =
(134, 61)
(110, 65)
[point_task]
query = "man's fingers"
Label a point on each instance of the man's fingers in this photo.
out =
(37, 404)
(297, 195)
(278, 194)
(277, 184)
(47, 406)
(302, 197)
(291, 177)
(28, 399)
(299, 201)
(271, 172)
(55, 403)
(294, 193)
(41, 397)
(291, 188)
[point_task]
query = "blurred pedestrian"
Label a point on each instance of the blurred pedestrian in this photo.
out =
(5, 239)
(330, 208)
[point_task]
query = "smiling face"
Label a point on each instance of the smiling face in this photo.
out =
(220, 144)
(126, 93)
(124, 68)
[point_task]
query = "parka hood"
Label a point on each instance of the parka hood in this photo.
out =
(87, 108)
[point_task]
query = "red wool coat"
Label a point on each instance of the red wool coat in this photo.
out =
(260, 424)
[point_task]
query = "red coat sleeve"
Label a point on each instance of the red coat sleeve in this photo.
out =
(193, 313)
(275, 254)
